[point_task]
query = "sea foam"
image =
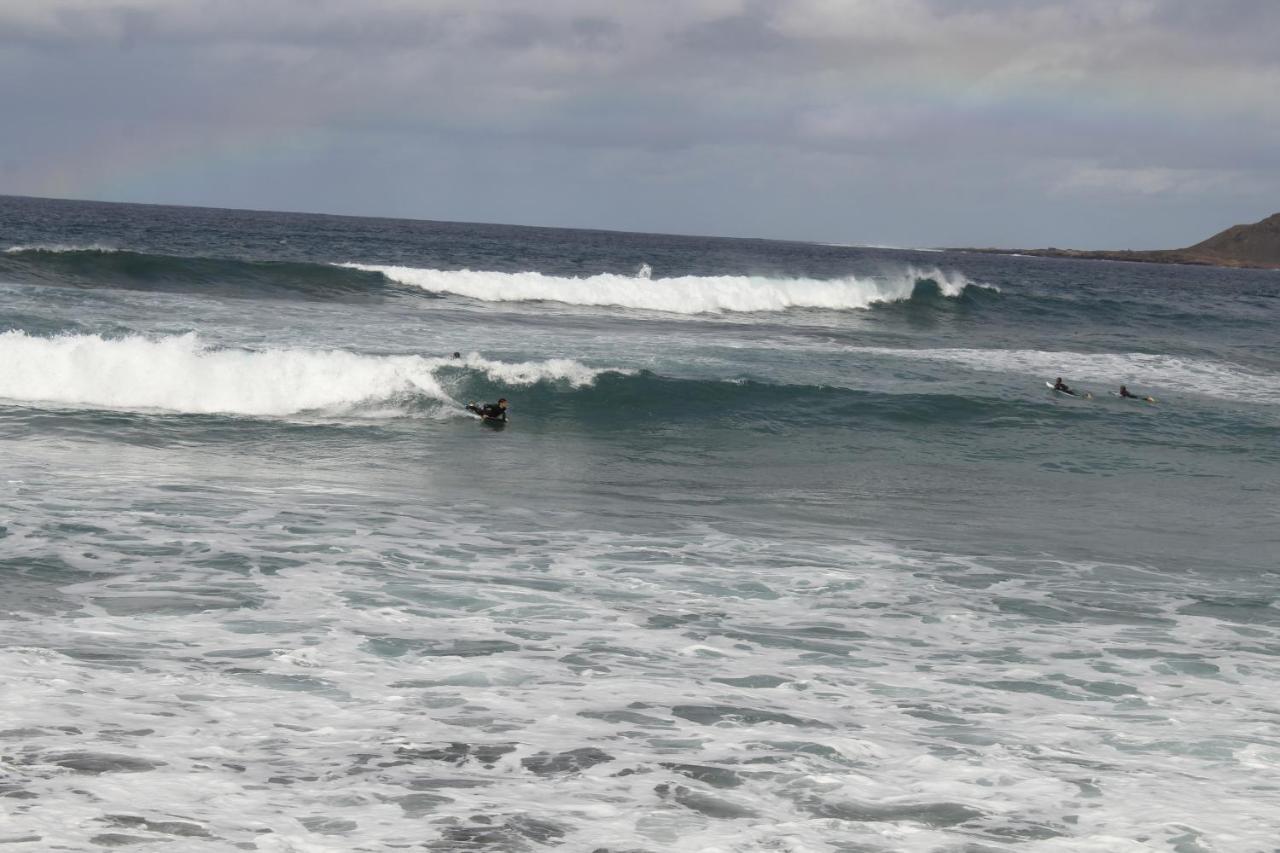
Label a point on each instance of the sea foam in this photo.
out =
(677, 295)
(59, 248)
(1145, 371)
(181, 373)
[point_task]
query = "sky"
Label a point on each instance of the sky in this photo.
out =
(1016, 123)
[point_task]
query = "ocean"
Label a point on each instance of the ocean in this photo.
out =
(785, 546)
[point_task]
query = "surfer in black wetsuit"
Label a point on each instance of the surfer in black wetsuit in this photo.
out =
(491, 411)
(1059, 385)
(1125, 392)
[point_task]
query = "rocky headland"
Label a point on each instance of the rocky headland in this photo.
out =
(1255, 246)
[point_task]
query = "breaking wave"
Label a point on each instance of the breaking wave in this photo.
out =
(94, 266)
(681, 294)
(182, 374)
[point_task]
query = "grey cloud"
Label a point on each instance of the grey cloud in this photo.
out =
(799, 115)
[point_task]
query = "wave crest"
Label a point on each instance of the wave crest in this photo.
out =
(59, 249)
(677, 295)
(182, 374)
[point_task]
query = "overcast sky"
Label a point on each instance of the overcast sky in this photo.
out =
(1082, 123)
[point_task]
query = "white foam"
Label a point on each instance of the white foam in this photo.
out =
(879, 246)
(59, 248)
(677, 295)
(1221, 380)
(576, 374)
(183, 374)
(897, 713)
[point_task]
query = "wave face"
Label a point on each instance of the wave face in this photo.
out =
(181, 374)
(102, 266)
(679, 295)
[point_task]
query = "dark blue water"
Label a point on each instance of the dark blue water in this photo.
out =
(785, 546)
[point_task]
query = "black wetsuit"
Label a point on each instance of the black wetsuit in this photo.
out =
(1062, 386)
(1125, 392)
(489, 411)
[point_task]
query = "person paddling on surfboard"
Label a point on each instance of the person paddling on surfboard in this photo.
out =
(1061, 386)
(490, 411)
(1125, 392)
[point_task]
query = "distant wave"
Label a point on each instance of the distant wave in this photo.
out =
(95, 266)
(102, 266)
(1141, 370)
(878, 246)
(678, 295)
(182, 374)
(58, 248)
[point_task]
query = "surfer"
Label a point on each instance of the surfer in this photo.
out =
(1125, 392)
(491, 411)
(1059, 385)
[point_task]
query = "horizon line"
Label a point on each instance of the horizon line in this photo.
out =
(807, 242)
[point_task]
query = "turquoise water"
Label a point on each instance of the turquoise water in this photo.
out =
(786, 546)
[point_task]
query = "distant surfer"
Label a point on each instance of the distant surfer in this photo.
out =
(457, 355)
(1125, 392)
(491, 411)
(1059, 385)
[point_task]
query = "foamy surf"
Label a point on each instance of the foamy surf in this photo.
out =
(59, 248)
(678, 295)
(182, 374)
(1143, 370)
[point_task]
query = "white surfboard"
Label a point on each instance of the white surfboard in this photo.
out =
(1085, 396)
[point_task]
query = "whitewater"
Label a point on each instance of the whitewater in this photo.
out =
(1225, 381)
(679, 294)
(784, 547)
(182, 374)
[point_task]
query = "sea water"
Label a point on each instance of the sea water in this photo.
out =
(785, 547)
